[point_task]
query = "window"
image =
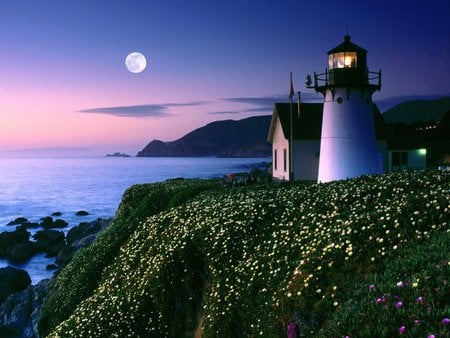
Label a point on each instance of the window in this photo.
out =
(285, 159)
(342, 60)
(399, 159)
(275, 160)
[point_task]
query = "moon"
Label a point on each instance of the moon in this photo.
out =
(135, 62)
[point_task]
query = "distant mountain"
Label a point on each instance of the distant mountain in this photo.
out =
(229, 138)
(417, 110)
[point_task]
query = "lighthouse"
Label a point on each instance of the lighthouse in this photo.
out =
(347, 146)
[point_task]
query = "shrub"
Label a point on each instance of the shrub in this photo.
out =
(80, 278)
(269, 258)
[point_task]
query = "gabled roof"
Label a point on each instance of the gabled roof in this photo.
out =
(308, 126)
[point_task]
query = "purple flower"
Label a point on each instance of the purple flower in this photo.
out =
(395, 297)
(417, 322)
(378, 301)
(400, 285)
(445, 321)
(431, 336)
(399, 305)
(402, 329)
(291, 330)
(419, 300)
(371, 287)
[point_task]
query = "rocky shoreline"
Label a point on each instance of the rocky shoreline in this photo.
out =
(21, 302)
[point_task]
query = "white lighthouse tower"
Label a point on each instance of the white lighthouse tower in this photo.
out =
(347, 147)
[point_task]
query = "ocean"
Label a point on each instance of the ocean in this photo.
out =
(36, 188)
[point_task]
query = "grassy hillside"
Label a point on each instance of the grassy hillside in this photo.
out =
(324, 260)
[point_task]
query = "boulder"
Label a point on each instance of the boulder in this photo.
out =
(10, 238)
(12, 280)
(81, 213)
(57, 214)
(18, 221)
(48, 223)
(79, 237)
(86, 228)
(19, 314)
(49, 241)
(60, 223)
(51, 267)
(30, 225)
(21, 252)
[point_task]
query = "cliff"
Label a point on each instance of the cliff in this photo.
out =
(189, 258)
(243, 138)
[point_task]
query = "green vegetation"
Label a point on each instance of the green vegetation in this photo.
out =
(80, 278)
(327, 260)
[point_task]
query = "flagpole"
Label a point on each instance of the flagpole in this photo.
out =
(291, 139)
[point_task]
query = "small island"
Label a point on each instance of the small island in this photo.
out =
(117, 154)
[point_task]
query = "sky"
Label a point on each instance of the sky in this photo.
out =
(65, 89)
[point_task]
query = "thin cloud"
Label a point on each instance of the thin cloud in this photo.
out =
(224, 112)
(265, 103)
(145, 110)
(257, 101)
(141, 111)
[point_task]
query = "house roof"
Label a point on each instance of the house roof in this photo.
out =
(308, 126)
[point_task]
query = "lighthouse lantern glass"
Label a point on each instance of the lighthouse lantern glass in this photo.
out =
(342, 60)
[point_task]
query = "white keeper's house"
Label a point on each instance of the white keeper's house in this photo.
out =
(306, 135)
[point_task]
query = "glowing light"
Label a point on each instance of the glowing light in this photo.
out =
(422, 151)
(348, 61)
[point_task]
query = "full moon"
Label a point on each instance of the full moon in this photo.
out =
(135, 62)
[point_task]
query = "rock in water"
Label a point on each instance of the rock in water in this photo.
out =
(48, 223)
(21, 252)
(10, 238)
(49, 241)
(18, 221)
(12, 280)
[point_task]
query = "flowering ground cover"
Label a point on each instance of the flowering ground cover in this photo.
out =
(358, 258)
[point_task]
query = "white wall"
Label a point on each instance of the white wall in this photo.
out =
(306, 159)
(279, 143)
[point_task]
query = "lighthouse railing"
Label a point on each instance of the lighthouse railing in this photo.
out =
(323, 80)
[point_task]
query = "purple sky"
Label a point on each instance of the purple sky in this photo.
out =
(64, 87)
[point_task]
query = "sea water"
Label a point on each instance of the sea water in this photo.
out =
(36, 188)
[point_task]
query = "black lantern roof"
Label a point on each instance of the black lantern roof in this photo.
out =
(347, 46)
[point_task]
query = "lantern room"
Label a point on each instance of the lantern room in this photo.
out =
(347, 55)
(347, 66)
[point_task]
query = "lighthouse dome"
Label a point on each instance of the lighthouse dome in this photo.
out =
(347, 46)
